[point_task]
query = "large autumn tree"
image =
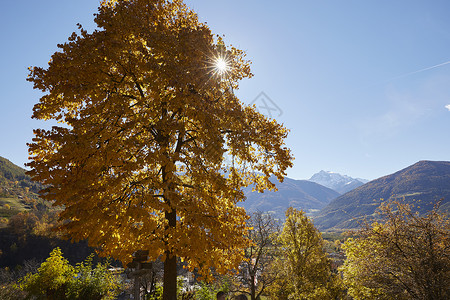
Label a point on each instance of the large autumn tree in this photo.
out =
(148, 119)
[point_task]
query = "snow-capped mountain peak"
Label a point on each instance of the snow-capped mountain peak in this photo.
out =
(340, 183)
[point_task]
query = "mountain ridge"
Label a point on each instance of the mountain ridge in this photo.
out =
(301, 194)
(424, 181)
(338, 182)
(17, 191)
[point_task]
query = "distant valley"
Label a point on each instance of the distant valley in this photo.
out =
(18, 192)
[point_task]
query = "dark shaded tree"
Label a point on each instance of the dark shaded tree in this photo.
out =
(256, 272)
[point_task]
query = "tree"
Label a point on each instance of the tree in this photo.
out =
(94, 283)
(23, 224)
(304, 266)
(401, 256)
(51, 280)
(148, 119)
(57, 279)
(256, 272)
(8, 279)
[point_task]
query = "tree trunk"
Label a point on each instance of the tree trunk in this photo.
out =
(252, 287)
(170, 277)
(170, 264)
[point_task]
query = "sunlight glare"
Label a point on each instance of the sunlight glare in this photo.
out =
(221, 65)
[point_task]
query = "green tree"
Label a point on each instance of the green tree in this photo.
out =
(401, 256)
(52, 278)
(208, 291)
(305, 270)
(57, 279)
(94, 283)
(149, 115)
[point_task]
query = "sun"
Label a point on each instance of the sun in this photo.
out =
(221, 65)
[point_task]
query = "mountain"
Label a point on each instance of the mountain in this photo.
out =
(19, 242)
(340, 183)
(17, 191)
(425, 181)
(300, 194)
(14, 182)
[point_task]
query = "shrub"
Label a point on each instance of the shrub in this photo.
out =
(57, 279)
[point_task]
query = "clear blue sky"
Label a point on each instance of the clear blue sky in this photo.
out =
(359, 83)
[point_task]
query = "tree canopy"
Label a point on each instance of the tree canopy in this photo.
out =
(304, 268)
(402, 256)
(147, 120)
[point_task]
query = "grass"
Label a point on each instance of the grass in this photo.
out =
(15, 206)
(14, 203)
(332, 236)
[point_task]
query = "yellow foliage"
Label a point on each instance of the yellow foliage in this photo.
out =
(303, 266)
(138, 162)
(403, 256)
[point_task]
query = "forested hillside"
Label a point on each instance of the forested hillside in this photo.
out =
(27, 221)
(18, 192)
